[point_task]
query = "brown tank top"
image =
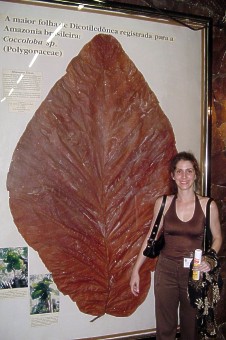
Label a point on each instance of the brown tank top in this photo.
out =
(182, 238)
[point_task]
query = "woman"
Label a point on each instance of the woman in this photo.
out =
(183, 221)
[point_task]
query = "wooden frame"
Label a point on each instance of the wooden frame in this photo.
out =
(172, 50)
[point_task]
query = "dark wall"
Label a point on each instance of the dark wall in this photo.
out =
(216, 9)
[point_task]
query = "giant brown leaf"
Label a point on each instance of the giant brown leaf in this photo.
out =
(85, 174)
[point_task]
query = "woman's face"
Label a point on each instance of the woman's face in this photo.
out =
(184, 175)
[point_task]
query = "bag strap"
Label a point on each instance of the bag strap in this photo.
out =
(207, 239)
(158, 219)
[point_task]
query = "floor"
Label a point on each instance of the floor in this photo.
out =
(147, 337)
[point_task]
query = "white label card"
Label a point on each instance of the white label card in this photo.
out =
(187, 261)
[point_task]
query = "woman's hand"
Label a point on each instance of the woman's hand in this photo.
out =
(134, 283)
(203, 267)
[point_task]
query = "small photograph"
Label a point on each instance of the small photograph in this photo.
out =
(13, 267)
(44, 295)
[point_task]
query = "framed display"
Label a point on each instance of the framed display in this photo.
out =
(96, 97)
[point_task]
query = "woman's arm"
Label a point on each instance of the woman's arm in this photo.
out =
(135, 278)
(215, 227)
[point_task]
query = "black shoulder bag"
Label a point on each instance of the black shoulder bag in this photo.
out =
(155, 246)
(205, 292)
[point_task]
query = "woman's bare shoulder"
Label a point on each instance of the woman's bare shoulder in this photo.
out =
(169, 199)
(203, 201)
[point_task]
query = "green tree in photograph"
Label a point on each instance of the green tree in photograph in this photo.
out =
(42, 291)
(13, 267)
(13, 261)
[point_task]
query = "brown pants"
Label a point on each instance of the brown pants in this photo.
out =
(171, 281)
